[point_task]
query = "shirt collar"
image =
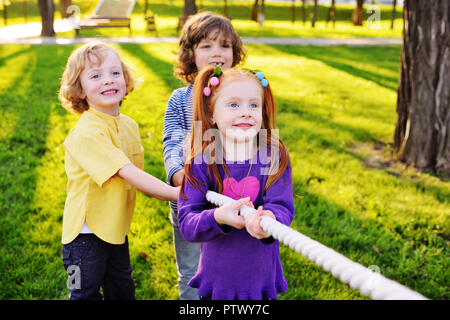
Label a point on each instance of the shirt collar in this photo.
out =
(112, 121)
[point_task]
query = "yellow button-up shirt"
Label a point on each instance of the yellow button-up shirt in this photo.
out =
(96, 148)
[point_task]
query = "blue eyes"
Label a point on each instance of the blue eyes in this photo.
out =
(96, 76)
(235, 105)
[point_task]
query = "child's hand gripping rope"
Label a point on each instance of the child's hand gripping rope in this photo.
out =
(253, 222)
(228, 213)
(355, 275)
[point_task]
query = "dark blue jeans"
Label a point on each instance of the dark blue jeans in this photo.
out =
(92, 263)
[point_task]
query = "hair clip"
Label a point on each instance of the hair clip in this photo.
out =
(218, 71)
(261, 78)
(207, 91)
(214, 81)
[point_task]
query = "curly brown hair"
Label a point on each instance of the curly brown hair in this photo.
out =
(70, 90)
(197, 28)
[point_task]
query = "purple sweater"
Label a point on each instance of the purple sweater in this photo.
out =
(233, 264)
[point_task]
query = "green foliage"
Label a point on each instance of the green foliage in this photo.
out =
(336, 116)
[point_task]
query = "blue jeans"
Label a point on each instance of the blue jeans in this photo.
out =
(187, 255)
(92, 263)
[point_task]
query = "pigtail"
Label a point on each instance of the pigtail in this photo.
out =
(202, 114)
(279, 158)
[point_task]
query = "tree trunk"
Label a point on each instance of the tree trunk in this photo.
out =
(332, 13)
(293, 11)
(47, 9)
(303, 12)
(314, 15)
(5, 13)
(261, 16)
(358, 13)
(189, 8)
(394, 4)
(422, 134)
(255, 11)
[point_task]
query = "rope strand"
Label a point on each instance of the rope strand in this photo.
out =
(370, 283)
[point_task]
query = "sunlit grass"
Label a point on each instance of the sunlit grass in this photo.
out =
(336, 116)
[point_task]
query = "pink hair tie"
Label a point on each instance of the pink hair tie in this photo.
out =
(206, 91)
(214, 81)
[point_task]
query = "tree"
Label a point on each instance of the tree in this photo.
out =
(332, 13)
(314, 14)
(293, 11)
(422, 134)
(358, 13)
(255, 11)
(303, 12)
(190, 8)
(394, 4)
(261, 14)
(225, 8)
(258, 13)
(47, 9)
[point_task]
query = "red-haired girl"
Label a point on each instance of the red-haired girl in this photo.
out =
(235, 151)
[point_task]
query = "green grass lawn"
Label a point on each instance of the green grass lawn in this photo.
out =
(336, 116)
(277, 24)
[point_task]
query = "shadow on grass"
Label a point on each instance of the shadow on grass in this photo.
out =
(162, 68)
(347, 58)
(14, 55)
(24, 268)
(383, 58)
(418, 266)
(358, 135)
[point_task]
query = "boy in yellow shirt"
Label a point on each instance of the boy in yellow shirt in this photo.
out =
(104, 161)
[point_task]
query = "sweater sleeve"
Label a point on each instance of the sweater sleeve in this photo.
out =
(195, 216)
(279, 198)
(173, 135)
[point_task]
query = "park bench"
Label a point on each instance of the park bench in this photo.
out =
(109, 14)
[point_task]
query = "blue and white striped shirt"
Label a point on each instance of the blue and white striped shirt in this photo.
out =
(177, 126)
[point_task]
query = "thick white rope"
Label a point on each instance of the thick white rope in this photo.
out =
(370, 283)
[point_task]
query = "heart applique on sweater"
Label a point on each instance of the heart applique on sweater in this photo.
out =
(233, 188)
